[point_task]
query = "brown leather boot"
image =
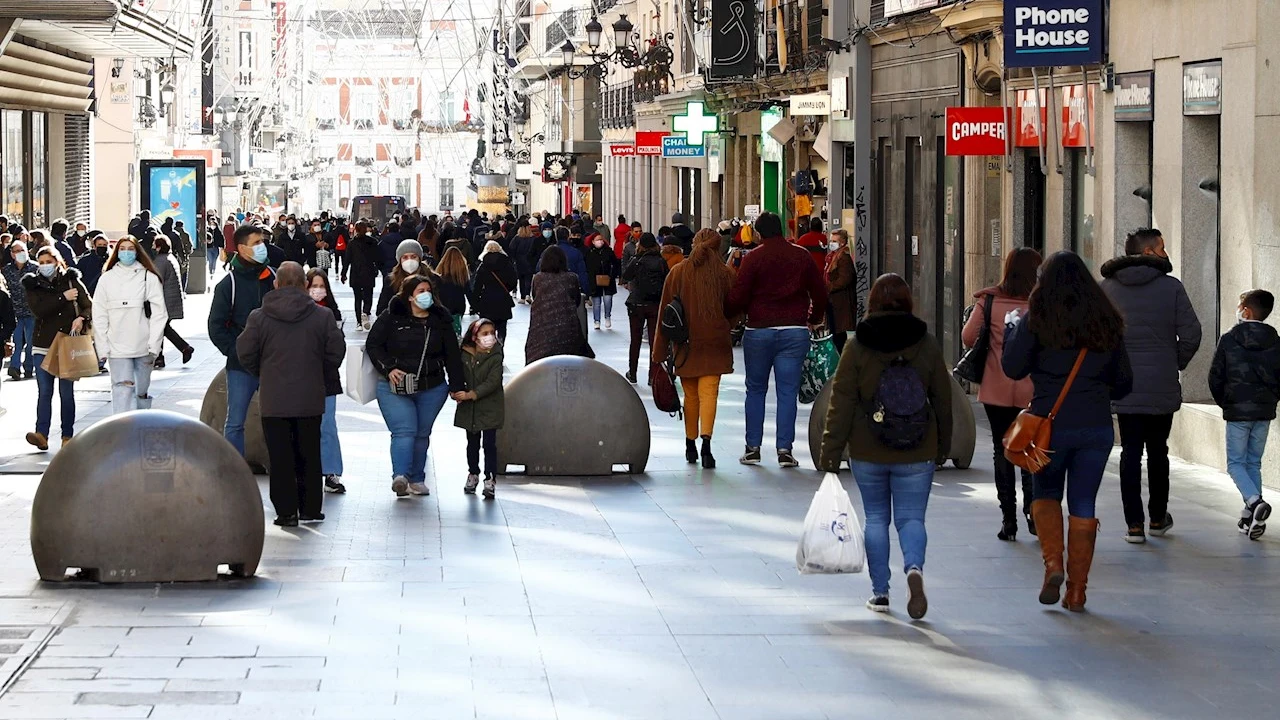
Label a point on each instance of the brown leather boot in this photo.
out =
(1048, 518)
(1082, 535)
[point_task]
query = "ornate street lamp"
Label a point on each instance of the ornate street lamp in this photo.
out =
(626, 53)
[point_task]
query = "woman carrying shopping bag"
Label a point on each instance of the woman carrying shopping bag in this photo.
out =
(891, 407)
(129, 318)
(60, 303)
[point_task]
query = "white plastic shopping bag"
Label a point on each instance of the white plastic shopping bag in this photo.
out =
(362, 378)
(831, 541)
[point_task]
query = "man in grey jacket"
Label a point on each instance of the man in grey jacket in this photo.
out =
(288, 344)
(1162, 335)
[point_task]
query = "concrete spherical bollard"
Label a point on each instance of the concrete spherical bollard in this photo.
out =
(964, 431)
(147, 496)
(568, 415)
(213, 412)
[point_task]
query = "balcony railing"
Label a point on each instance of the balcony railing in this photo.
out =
(562, 28)
(803, 33)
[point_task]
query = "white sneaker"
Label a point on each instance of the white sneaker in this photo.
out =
(400, 485)
(368, 324)
(597, 326)
(608, 323)
(419, 489)
(473, 482)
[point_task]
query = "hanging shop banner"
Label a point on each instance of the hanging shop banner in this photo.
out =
(1030, 128)
(206, 67)
(620, 150)
(676, 146)
(977, 130)
(733, 39)
(1135, 101)
(811, 104)
(1074, 127)
(1202, 88)
(556, 167)
(1053, 33)
(649, 142)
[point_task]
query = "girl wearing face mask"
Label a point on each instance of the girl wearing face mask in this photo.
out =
(408, 264)
(603, 268)
(60, 303)
(330, 446)
(129, 318)
(168, 269)
(481, 408)
(414, 349)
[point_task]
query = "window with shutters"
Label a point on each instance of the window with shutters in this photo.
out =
(325, 188)
(364, 186)
(76, 162)
(328, 105)
(446, 193)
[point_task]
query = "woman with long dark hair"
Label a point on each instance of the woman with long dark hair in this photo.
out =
(411, 261)
(1070, 323)
(702, 283)
(891, 408)
(129, 318)
(454, 272)
(169, 272)
(553, 316)
(1002, 397)
(60, 303)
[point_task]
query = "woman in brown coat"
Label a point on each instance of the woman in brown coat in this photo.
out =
(702, 284)
(842, 298)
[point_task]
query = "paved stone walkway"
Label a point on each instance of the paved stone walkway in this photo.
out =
(668, 595)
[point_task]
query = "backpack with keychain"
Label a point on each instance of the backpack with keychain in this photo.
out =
(900, 410)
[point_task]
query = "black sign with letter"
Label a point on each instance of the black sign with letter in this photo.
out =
(733, 38)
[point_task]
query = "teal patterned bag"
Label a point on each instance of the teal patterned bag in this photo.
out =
(819, 365)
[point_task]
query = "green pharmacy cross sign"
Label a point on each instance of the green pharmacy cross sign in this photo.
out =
(695, 123)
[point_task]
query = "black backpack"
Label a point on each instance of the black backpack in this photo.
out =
(674, 326)
(900, 411)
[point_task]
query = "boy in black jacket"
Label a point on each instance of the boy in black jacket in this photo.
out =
(1245, 382)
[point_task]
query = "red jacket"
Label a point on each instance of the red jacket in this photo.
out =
(778, 286)
(815, 243)
(620, 234)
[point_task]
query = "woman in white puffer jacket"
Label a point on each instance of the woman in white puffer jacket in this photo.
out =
(128, 323)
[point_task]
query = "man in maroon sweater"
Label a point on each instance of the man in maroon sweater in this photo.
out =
(783, 295)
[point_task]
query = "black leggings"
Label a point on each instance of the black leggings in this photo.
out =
(490, 440)
(339, 256)
(172, 336)
(364, 300)
(1006, 473)
(526, 285)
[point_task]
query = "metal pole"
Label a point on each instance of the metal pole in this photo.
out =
(1043, 131)
(1088, 122)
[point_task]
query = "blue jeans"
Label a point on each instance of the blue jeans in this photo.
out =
(330, 447)
(1245, 443)
(900, 490)
(409, 418)
(23, 334)
(44, 405)
(130, 383)
(782, 352)
(211, 255)
(604, 302)
(1079, 458)
(240, 389)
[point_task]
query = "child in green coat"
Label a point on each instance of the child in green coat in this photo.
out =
(481, 408)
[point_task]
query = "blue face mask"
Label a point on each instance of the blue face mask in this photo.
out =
(546, 233)
(48, 270)
(260, 253)
(424, 300)
(128, 257)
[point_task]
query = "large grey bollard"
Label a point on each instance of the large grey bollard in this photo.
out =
(964, 430)
(147, 496)
(213, 412)
(568, 415)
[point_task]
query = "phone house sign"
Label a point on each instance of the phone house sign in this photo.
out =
(1053, 33)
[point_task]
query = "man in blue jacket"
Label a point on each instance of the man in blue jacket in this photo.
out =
(577, 263)
(236, 296)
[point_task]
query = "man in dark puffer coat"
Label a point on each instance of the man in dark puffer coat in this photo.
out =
(1162, 334)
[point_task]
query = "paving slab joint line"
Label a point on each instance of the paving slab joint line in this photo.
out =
(13, 678)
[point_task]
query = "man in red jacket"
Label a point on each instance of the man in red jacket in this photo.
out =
(783, 294)
(620, 234)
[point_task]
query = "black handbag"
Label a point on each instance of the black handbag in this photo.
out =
(974, 361)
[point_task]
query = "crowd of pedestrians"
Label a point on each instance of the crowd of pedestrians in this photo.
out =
(1088, 355)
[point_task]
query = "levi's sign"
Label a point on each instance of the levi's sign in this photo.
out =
(1052, 33)
(977, 130)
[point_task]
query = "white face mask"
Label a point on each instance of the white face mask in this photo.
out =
(486, 342)
(318, 294)
(1239, 315)
(410, 266)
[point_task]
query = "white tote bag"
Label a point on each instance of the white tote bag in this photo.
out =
(362, 378)
(831, 541)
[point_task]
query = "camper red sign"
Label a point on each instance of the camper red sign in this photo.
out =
(977, 130)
